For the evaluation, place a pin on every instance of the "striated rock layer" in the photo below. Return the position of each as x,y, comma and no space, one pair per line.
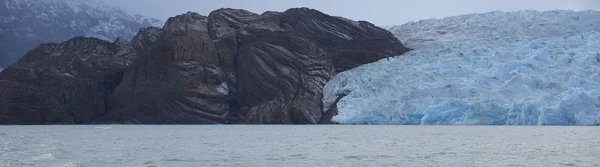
63,83
232,66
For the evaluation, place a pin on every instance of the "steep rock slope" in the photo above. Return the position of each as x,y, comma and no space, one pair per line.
235,66
25,24
64,83
232,66
515,68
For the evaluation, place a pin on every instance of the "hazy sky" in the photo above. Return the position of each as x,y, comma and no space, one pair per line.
379,12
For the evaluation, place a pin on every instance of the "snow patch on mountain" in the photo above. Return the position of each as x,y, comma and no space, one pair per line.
148,21
513,68
25,24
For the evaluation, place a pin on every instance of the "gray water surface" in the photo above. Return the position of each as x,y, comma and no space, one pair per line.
220,145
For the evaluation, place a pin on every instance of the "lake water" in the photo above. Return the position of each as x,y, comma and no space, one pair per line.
220,145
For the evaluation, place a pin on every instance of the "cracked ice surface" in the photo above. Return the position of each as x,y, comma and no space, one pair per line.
543,77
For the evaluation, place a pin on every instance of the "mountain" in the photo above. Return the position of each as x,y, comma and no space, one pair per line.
232,66
24,24
497,68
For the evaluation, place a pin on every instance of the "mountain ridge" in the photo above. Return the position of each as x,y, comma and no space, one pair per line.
26,23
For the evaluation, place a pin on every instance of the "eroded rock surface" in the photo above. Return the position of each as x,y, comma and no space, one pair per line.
64,83
235,66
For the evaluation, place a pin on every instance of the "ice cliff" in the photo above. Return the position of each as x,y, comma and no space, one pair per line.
498,68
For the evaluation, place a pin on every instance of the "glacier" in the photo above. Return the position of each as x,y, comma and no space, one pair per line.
497,68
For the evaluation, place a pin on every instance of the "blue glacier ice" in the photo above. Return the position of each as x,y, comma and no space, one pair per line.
498,68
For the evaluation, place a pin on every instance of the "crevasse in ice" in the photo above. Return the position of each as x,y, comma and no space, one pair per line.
515,68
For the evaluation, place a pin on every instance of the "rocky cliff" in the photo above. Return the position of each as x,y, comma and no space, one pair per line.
65,83
232,66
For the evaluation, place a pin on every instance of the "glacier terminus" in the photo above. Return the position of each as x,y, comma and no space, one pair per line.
497,68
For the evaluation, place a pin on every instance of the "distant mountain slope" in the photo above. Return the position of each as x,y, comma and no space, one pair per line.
498,68
25,24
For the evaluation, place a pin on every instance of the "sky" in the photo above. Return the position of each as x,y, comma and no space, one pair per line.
379,12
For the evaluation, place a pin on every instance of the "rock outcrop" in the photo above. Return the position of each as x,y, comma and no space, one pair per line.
66,83
235,66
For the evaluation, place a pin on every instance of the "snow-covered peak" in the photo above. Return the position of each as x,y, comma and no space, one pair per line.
74,5
95,17
498,26
148,21
25,24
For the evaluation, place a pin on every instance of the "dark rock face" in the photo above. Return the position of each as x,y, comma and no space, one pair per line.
63,83
235,66
280,79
